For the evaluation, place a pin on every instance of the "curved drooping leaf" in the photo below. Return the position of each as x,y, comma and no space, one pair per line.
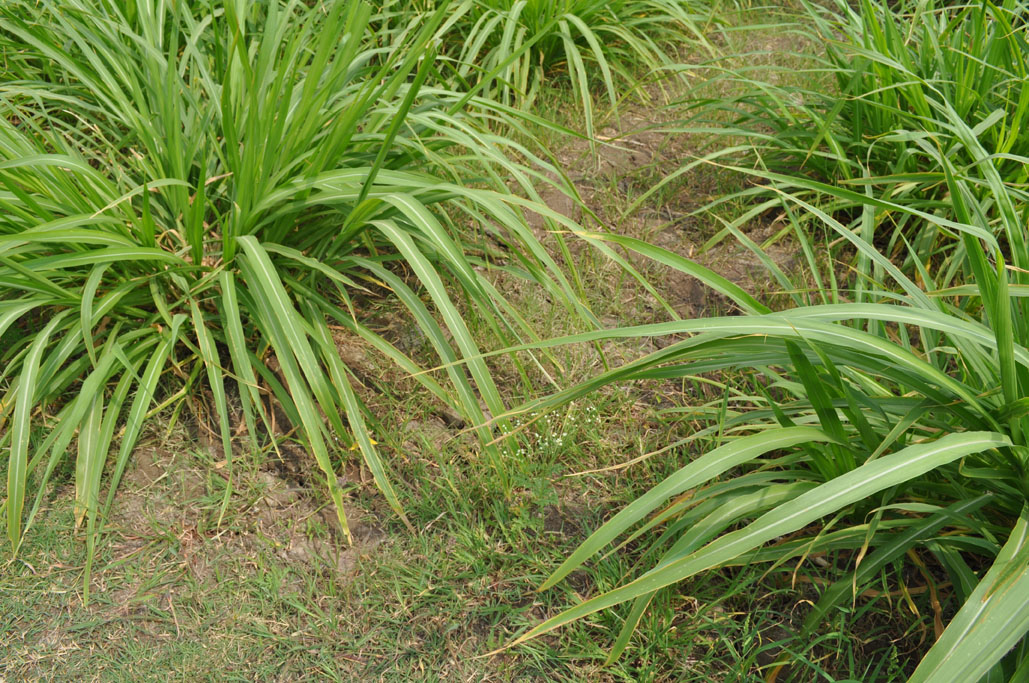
830,497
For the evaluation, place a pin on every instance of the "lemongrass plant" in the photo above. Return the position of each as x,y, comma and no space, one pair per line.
519,46
190,190
886,72
892,89
886,427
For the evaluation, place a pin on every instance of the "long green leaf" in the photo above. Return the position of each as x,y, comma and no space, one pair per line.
992,620
830,497
698,472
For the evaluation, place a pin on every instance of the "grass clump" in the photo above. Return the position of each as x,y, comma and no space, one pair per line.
873,434
890,79
901,95
516,48
193,197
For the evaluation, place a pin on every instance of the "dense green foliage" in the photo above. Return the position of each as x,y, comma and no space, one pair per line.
886,417
892,76
197,198
190,190
904,94
514,48
903,422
